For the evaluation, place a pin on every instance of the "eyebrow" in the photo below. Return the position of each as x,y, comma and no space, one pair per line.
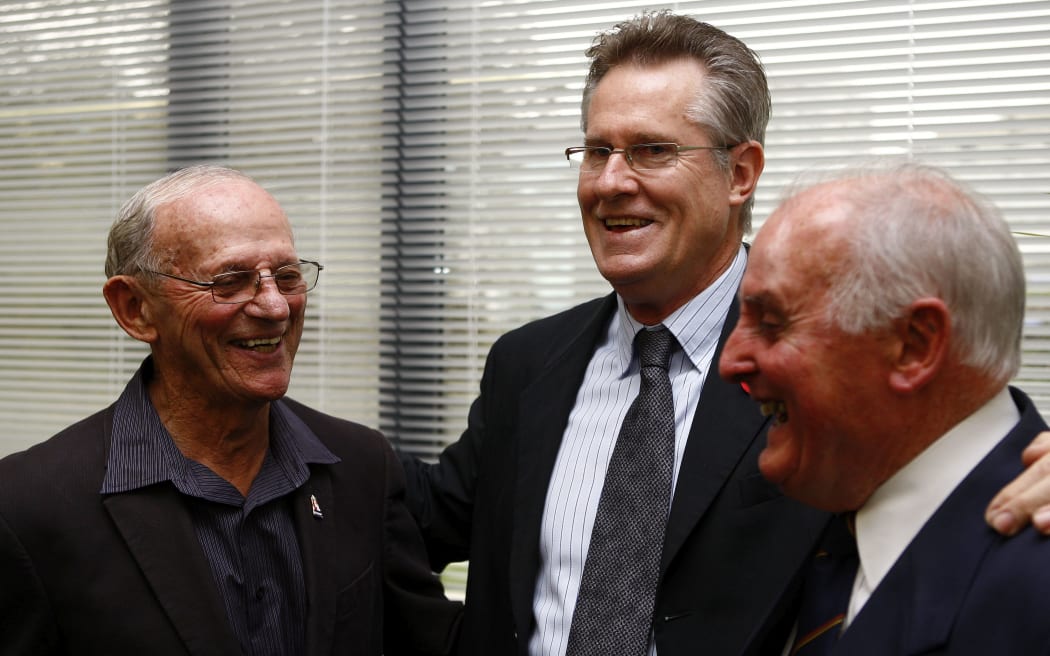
754,298
761,299
636,139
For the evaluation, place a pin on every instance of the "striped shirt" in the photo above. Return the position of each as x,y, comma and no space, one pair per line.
609,386
250,542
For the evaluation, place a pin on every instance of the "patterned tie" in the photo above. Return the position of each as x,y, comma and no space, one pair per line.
826,590
614,610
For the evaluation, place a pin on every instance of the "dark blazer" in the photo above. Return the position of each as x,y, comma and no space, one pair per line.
960,588
733,543
123,574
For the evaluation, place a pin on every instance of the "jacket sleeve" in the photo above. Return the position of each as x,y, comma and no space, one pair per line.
440,495
418,618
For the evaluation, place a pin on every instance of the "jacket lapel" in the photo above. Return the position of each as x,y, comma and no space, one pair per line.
160,535
544,412
725,424
915,607
317,547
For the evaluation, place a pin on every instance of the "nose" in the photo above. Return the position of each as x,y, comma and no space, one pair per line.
268,301
617,177
736,363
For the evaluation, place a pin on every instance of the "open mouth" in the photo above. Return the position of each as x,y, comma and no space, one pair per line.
622,223
268,345
775,409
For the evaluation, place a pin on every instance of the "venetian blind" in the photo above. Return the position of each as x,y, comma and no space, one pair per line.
417,149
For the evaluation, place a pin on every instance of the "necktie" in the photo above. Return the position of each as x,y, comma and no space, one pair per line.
826,590
614,609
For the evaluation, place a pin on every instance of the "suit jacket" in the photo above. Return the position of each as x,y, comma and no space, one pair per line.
733,543
123,574
960,588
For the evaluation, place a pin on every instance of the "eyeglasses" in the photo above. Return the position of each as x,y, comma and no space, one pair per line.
640,157
242,286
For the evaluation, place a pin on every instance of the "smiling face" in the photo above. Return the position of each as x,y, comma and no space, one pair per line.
821,385
217,353
660,236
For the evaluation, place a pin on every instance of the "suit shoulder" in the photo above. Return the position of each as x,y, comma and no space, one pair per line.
1005,604
74,448
339,435
59,477
559,327
1018,563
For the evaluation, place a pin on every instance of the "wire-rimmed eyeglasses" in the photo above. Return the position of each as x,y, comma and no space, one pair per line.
640,157
242,286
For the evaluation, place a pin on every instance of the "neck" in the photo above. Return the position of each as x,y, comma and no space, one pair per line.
651,303
232,442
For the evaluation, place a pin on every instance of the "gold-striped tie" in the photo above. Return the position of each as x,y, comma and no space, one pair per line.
826,590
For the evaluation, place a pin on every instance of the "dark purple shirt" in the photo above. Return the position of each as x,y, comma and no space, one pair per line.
250,541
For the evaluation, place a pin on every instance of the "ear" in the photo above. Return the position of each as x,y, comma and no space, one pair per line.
747,160
131,306
922,340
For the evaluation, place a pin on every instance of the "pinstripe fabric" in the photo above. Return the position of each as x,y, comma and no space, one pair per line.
610,384
250,542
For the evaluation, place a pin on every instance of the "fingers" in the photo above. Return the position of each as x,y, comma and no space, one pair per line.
1039,447
1027,498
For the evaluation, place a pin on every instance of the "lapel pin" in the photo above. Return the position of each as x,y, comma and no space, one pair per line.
315,507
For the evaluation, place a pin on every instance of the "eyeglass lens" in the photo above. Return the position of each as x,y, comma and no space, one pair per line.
639,156
240,286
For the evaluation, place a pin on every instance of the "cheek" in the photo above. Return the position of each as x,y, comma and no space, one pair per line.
585,195
189,318
297,319
211,319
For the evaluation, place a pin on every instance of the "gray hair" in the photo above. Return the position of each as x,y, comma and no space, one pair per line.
917,232
130,246
736,104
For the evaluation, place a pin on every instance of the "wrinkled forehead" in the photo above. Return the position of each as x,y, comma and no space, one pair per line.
229,215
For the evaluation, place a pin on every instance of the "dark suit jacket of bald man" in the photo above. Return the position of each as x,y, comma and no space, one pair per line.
960,588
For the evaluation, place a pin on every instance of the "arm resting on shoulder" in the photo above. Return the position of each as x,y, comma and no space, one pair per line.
440,495
418,618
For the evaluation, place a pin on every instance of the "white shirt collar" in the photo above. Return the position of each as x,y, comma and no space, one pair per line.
899,508
696,325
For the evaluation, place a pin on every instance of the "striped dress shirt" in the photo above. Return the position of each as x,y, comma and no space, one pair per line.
610,384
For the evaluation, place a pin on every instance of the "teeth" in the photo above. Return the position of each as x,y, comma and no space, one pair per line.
775,409
626,222
252,343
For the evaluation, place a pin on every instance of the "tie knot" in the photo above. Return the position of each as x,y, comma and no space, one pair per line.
840,540
654,347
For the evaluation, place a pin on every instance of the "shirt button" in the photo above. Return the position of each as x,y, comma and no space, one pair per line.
260,593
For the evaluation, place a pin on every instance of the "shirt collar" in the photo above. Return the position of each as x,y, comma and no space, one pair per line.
696,325
143,453
899,508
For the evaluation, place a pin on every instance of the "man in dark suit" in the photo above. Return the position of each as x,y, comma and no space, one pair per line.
203,513
674,116
881,320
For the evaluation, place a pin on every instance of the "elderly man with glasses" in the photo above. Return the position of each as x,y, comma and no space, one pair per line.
203,512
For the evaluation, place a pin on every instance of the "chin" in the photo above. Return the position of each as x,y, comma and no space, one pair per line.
775,467
820,495
266,393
